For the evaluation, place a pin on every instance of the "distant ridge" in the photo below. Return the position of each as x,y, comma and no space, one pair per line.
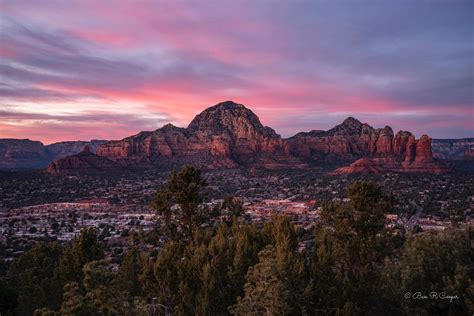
17,154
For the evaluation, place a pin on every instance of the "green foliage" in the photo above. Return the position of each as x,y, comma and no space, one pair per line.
75,304
265,290
32,278
438,263
133,266
350,249
84,249
184,188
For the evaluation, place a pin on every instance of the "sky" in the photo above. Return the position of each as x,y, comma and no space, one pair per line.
80,70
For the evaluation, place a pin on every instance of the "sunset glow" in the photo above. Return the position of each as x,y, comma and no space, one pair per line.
107,69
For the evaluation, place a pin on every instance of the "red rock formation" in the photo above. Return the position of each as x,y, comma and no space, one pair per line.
362,166
384,142
419,157
85,161
230,135
227,134
352,139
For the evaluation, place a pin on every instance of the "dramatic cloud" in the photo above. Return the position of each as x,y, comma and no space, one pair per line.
98,69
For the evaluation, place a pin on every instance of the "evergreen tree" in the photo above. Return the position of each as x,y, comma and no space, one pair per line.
132,267
84,249
101,288
31,277
185,189
75,304
438,264
265,290
351,245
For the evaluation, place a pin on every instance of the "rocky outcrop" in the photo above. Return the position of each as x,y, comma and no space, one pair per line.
27,154
353,140
452,149
361,166
225,135
83,162
230,135
418,158
348,141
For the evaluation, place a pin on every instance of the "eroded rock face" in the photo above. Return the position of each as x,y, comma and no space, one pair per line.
352,140
85,161
227,134
417,157
349,141
230,135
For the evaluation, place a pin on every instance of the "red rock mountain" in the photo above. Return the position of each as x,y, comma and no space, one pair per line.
224,135
85,161
352,140
229,135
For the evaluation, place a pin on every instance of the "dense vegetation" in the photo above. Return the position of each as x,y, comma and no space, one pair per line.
215,262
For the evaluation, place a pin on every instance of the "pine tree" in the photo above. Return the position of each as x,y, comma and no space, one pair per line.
75,304
31,277
265,291
351,245
185,189
84,249
132,266
438,262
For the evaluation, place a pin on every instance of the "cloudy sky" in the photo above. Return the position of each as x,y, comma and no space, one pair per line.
74,70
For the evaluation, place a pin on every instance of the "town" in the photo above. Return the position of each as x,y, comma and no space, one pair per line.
57,208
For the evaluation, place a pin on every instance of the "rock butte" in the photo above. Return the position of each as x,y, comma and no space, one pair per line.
229,135
83,162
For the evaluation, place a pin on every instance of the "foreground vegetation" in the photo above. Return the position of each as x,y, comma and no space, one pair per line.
215,262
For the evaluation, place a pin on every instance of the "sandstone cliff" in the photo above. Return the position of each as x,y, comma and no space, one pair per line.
224,135
416,156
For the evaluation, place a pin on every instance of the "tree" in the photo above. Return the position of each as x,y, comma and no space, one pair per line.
438,262
31,277
133,265
75,304
185,189
101,288
84,249
351,245
265,291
